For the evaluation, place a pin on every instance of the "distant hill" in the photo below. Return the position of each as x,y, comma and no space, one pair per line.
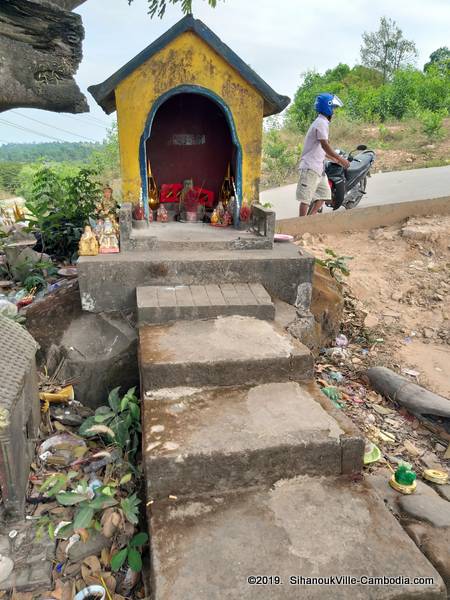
53,151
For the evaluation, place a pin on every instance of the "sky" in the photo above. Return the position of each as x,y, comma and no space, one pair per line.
280,39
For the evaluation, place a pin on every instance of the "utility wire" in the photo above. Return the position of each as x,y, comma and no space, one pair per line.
50,137
53,127
87,121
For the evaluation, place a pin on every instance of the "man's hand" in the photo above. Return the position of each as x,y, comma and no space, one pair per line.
334,155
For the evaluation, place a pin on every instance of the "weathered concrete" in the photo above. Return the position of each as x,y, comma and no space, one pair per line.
309,526
48,318
237,350
100,353
185,236
161,304
19,413
220,439
33,557
362,219
109,282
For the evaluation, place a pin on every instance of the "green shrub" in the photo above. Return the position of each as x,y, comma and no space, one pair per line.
432,123
59,205
279,160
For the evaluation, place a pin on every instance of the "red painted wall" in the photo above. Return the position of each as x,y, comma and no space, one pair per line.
190,139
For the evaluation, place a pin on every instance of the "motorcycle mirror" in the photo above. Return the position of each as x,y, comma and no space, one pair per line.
361,147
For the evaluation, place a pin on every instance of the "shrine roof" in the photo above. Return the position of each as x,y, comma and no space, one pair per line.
104,92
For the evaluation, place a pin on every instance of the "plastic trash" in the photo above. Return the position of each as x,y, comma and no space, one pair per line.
62,449
7,308
341,341
93,592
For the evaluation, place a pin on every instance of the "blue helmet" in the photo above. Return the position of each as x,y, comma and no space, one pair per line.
326,103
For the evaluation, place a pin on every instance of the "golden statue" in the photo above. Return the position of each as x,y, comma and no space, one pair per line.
88,245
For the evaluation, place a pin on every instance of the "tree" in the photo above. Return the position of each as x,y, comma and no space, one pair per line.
386,49
440,59
159,6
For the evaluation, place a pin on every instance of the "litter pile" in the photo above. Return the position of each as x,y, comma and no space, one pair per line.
84,494
394,434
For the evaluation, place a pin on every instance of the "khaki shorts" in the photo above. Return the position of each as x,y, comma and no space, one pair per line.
312,187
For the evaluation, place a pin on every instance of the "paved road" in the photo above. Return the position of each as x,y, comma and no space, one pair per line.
382,188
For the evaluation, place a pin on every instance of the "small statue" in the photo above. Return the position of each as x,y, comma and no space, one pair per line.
88,245
99,226
245,211
215,217
162,215
138,212
151,218
109,243
227,218
107,204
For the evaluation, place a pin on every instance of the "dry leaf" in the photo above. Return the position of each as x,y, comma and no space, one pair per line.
447,452
382,410
411,449
105,557
22,595
84,534
111,520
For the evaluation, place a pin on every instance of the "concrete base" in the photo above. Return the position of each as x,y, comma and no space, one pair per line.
185,236
162,304
308,527
224,351
100,353
221,439
109,282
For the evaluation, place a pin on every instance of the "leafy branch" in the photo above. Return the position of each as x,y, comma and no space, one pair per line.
158,7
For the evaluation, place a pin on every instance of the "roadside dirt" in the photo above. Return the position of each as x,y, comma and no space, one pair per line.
400,280
396,314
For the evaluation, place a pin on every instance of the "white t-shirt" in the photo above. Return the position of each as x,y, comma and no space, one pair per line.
313,155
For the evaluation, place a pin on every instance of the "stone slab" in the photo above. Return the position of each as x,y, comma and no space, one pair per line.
162,304
227,350
109,282
219,439
431,509
33,557
309,526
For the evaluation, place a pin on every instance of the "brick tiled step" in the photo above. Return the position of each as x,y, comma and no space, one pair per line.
161,304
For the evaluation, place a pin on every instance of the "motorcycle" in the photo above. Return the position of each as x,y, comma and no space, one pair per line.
348,186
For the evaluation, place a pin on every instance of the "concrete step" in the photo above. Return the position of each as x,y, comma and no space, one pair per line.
109,282
309,526
218,439
224,351
162,304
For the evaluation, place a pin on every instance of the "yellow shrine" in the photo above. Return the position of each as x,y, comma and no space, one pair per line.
189,107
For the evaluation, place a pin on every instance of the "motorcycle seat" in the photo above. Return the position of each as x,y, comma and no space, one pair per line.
357,167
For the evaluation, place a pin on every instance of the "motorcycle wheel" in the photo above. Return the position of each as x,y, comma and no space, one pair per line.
362,190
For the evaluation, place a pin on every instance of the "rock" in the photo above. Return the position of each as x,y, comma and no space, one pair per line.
425,507
397,296
430,460
435,545
49,317
6,567
95,544
100,353
327,304
427,333
371,321
443,491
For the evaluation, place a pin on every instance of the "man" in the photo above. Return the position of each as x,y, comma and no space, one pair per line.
313,183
